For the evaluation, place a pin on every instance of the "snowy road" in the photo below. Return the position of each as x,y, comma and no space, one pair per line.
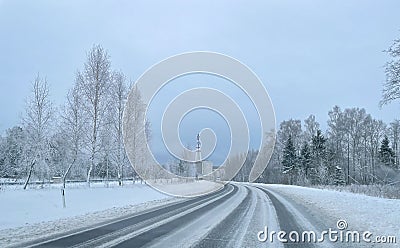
236,216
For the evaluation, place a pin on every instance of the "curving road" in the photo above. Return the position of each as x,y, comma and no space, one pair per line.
231,217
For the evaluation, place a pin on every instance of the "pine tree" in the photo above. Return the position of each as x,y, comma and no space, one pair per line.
12,153
305,158
318,148
181,168
386,153
339,176
289,159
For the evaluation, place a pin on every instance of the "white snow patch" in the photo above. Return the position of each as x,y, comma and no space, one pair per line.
34,213
362,213
21,207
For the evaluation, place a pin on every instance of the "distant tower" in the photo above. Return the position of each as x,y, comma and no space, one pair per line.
198,163
198,149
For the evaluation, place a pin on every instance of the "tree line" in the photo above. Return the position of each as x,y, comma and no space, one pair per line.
82,138
355,149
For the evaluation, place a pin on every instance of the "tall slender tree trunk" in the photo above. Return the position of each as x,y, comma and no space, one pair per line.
94,139
373,166
67,172
348,161
29,173
89,172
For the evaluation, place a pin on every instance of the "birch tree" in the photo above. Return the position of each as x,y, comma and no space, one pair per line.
311,127
37,122
394,134
72,126
391,87
136,146
337,135
290,128
376,132
94,84
119,99
11,152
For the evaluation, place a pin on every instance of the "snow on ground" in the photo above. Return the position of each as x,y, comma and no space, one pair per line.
362,213
20,207
377,190
33,213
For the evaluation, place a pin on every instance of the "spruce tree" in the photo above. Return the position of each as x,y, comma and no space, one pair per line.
181,167
339,177
386,153
305,158
289,159
318,148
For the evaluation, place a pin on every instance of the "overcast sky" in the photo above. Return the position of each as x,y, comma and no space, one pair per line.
310,55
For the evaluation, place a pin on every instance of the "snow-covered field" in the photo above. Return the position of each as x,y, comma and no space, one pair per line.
35,213
362,213
20,207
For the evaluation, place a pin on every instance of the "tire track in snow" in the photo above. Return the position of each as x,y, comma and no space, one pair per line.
225,232
291,219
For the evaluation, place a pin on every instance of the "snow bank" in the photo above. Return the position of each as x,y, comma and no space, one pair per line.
362,213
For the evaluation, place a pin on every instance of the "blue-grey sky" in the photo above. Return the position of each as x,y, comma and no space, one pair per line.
311,55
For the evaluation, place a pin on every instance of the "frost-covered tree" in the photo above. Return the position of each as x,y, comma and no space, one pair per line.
391,87
72,131
244,172
354,122
290,128
134,127
337,134
318,146
37,123
386,153
181,168
377,130
311,127
267,156
352,142
58,153
94,83
2,156
107,143
11,154
339,177
306,159
119,96
394,134
289,161
319,154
